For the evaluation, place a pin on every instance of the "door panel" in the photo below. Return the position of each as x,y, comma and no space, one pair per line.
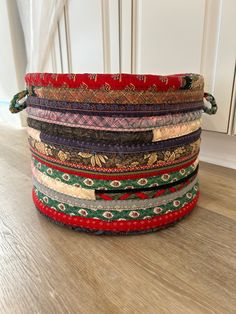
190,36
85,35
169,36
155,36
221,82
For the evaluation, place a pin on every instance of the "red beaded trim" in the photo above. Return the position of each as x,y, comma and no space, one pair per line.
107,81
115,226
117,176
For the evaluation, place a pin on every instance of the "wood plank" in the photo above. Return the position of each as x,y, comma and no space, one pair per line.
218,189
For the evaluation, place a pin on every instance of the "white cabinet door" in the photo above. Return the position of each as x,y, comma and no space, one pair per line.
93,36
86,35
189,36
220,76
159,37
12,53
169,36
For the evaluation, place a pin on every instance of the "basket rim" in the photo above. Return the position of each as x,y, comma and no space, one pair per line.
114,81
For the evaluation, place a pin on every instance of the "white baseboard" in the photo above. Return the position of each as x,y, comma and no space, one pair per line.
219,149
218,161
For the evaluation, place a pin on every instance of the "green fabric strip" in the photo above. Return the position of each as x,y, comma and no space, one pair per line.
150,193
113,184
110,215
114,204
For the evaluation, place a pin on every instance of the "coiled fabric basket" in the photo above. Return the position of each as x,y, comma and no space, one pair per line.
114,154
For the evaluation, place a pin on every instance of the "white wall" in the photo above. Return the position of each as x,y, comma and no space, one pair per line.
219,149
12,52
8,82
12,59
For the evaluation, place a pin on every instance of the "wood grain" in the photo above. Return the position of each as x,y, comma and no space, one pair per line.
44,268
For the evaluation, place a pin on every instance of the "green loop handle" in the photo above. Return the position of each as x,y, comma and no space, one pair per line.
15,106
211,100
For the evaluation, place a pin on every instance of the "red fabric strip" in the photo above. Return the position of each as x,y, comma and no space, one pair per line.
116,176
125,196
117,225
141,195
105,197
107,81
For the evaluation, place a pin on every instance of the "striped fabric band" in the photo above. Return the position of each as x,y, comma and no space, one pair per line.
113,174
112,162
118,148
118,81
118,226
118,110
157,134
110,123
65,175
120,194
111,215
111,205
118,96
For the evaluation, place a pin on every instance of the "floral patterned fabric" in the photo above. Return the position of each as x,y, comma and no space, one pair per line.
113,161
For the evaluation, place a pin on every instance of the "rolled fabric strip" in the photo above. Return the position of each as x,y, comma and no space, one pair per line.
84,134
115,153
119,81
119,148
119,226
112,162
108,183
122,124
113,204
111,110
130,192
118,97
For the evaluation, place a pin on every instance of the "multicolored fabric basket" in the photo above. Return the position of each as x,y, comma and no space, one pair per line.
114,154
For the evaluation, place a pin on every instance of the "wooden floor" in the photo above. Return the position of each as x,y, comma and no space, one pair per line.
44,268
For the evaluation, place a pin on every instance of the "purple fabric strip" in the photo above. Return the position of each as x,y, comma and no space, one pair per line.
113,109
131,148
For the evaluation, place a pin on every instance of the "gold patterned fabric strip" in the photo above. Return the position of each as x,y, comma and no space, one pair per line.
119,97
113,161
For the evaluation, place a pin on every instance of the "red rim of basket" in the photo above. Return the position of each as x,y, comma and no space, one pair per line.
113,81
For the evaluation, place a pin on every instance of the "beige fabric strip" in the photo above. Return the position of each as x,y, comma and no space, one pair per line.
61,187
35,134
164,133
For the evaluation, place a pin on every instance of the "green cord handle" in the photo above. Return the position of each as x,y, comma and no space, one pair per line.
15,106
213,108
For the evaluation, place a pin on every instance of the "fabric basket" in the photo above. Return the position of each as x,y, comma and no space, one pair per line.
114,154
